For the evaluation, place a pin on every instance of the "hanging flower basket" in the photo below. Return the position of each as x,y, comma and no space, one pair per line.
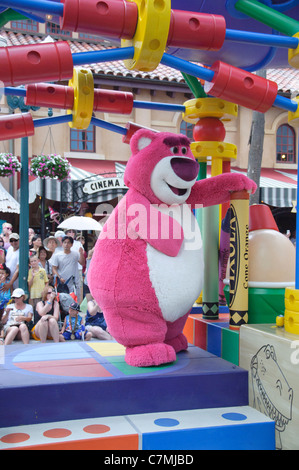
9,164
50,166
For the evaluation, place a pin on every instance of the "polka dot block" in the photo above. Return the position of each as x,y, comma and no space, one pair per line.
233,428
114,432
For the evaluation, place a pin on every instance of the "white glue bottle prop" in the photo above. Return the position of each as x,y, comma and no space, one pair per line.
271,254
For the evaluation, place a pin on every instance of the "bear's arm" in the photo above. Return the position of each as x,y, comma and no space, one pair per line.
145,221
217,189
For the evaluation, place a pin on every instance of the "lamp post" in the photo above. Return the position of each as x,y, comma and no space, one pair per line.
24,217
17,102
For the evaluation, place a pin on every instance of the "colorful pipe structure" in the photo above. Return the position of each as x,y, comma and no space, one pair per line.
54,62
184,32
209,134
146,29
62,97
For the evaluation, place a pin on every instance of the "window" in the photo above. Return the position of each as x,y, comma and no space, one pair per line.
285,144
187,129
89,36
25,25
52,28
83,140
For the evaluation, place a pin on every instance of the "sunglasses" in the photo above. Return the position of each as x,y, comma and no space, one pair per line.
13,241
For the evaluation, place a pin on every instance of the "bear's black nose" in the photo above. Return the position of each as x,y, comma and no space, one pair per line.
185,168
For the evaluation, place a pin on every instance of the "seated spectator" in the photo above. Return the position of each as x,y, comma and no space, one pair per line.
95,322
16,318
37,281
4,294
73,326
46,317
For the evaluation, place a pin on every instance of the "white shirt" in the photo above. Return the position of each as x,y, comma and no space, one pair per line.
14,313
12,261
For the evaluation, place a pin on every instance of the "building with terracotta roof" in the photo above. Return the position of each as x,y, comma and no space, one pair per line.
98,151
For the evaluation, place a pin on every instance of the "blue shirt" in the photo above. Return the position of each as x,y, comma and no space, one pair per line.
96,320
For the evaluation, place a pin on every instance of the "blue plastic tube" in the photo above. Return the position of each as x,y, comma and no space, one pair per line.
81,58
261,38
50,121
40,6
159,106
187,67
108,126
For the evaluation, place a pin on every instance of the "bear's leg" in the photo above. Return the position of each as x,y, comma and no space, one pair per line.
153,354
143,334
174,336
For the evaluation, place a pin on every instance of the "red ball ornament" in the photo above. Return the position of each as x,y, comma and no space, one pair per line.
209,129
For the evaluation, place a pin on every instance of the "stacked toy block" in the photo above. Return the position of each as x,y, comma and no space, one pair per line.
83,395
232,428
213,335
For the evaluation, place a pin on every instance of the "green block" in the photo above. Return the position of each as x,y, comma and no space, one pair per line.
264,305
230,345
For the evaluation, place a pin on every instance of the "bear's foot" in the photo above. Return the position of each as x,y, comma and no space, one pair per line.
179,343
150,355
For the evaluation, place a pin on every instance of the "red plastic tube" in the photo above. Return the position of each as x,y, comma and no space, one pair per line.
49,96
62,97
112,101
113,18
35,63
14,126
241,87
131,129
196,30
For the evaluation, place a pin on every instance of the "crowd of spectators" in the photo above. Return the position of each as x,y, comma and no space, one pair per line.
57,268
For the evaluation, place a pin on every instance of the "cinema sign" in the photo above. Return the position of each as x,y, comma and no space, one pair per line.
102,184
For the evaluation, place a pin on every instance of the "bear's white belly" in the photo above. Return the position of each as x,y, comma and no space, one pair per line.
178,280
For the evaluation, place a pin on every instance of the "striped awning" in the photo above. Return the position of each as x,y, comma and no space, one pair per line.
97,187
7,203
73,189
277,187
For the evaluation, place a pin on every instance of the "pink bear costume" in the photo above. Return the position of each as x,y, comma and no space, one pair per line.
147,268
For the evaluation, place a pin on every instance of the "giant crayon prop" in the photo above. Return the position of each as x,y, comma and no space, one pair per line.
238,261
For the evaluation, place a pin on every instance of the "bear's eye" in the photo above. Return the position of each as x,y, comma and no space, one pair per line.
174,150
184,150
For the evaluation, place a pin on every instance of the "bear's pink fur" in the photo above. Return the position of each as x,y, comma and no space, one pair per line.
119,276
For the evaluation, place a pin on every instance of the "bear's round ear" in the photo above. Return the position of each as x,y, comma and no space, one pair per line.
141,139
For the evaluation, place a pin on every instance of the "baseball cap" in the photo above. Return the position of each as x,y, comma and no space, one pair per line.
18,293
75,306
14,236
